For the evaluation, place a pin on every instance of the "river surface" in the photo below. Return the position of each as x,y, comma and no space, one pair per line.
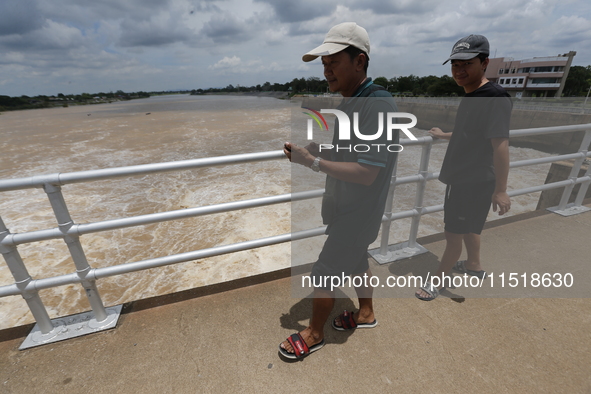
164,129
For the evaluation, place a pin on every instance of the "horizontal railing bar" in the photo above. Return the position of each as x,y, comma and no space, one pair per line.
421,141
89,228
106,173
98,273
415,178
93,175
107,225
180,214
549,130
550,159
548,186
306,195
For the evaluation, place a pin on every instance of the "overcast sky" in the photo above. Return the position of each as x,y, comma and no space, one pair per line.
75,46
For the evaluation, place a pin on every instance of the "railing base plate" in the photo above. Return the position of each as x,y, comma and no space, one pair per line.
71,327
570,210
397,252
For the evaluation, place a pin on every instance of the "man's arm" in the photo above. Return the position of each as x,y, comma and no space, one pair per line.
500,197
363,174
436,132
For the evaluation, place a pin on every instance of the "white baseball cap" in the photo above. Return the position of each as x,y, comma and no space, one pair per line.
338,38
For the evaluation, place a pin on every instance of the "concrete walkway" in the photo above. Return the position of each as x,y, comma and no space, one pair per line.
226,342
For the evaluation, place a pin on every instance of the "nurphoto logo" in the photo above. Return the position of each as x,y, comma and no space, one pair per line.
345,129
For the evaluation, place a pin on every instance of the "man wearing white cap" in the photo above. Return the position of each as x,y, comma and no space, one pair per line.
357,184
476,163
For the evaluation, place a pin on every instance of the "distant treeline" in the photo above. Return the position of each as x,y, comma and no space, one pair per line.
577,84
409,86
8,103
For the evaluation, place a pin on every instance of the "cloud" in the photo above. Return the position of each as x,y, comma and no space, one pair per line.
51,36
226,28
381,7
225,63
85,12
113,44
566,32
297,11
160,30
206,6
19,17
235,65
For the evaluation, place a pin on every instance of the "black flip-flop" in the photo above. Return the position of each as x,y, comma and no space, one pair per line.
348,323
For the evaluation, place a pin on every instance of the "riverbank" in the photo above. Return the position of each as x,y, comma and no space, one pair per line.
278,95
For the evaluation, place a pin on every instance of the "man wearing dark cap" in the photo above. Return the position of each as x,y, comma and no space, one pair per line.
357,184
476,163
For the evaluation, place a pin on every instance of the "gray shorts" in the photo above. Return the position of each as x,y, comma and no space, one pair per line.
339,258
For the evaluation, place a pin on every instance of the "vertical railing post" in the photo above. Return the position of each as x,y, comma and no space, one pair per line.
388,253
420,193
584,188
22,278
574,173
64,222
388,213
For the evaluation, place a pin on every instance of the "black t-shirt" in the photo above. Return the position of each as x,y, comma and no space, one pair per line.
482,115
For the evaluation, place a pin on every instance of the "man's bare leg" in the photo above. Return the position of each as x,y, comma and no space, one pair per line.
365,313
322,305
453,251
472,242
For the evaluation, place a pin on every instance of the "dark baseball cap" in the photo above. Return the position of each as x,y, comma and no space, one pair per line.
469,47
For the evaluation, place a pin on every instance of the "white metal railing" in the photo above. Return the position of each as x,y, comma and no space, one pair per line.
546,104
87,276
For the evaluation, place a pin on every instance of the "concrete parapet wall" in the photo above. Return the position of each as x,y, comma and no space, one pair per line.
560,171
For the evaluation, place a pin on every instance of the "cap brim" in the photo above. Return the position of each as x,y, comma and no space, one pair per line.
326,49
462,56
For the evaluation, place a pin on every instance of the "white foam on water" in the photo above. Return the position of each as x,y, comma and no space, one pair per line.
113,136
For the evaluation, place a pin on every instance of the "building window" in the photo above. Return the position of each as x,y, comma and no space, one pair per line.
502,81
544,80
524,70
545,69
520,81
501,71
514,81
512,71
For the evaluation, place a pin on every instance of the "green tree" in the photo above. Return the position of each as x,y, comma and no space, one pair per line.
445,86
577,82
426,82
382,81
407,84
